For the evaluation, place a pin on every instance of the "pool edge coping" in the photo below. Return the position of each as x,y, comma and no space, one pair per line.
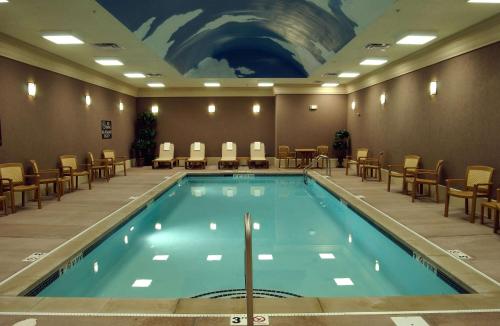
488,293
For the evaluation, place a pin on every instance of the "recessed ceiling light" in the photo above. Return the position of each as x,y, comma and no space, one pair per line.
329,84
109,62
256,226
373,62
265,84
349,74
142,283
134,75
62,38
265,257
343,281
156,85
212,84
327,256
214,257
416,39
4,1
484,1
160,257
213,226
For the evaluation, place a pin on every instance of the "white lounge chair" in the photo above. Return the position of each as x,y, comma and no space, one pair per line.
196,156
165,155
258,155
228,156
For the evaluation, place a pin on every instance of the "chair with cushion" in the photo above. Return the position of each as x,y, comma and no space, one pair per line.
114,161
285,154
427,177
70,167
321,150
370,168
50,177
405,170
98,167
258,155
165,155
196,156
361,154
14,180
492,206
477,184
228,157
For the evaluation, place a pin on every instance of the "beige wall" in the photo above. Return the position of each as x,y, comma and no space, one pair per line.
186,120
460,124
57,121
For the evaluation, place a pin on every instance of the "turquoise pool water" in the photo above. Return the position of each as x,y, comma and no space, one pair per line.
190,243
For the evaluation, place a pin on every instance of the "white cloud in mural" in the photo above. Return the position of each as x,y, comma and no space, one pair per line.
225,19
300,54
144,29
325,53
210,67
160,39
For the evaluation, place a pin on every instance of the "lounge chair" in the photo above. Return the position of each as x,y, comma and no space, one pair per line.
98,167
14,180
258,155
370,168
285,154
410,164
165,155
492,206
477,183
51,177
69,167
115,161
196,156
229,151
361,154
426,177
321,150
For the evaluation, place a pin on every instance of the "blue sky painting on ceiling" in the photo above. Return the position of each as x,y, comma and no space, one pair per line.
246,38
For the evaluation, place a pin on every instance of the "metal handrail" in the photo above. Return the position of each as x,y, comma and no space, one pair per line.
317,158
248,268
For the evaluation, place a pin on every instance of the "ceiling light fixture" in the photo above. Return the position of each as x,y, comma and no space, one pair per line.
484,1
134,75
156,85
265,84
329,84
4,1
108,62
63,39
212,84
416,39
373,62
349,74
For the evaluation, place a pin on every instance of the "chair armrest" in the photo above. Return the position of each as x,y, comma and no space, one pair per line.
477,185
10,181
67,167
348,157
449,182
33,176
430,172
498,194
394,165
49,172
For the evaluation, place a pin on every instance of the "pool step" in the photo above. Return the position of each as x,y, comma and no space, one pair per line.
241,293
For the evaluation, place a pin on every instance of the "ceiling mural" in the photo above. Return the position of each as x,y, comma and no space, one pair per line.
246,38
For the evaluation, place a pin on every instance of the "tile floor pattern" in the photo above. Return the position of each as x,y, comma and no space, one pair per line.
31,230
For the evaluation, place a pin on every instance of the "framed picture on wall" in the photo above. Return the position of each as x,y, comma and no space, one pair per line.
106,129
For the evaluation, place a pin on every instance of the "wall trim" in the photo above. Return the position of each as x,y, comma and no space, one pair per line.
206,92
297,90
23,52
477,36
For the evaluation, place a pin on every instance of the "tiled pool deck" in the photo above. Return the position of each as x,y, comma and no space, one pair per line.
31,230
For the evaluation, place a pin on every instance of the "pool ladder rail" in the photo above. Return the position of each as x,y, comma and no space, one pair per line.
248,268
323,158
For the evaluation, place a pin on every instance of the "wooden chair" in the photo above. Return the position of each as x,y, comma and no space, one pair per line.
50,177
373,166
285,154
14,180
477,183
361,154
410,164
98,167
114,161
432,179
69,167
165,155
321,150
492,206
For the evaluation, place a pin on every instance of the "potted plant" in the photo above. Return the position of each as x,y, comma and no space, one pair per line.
341,145
144,145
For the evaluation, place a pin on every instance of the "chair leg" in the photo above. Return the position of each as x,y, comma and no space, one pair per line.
347,168
497,217
23,199
437,193
473,210
125,169
446,203
12,202
389,182
46,189
482,214
413,191
467,206
59,185
76,182
89,181
37,194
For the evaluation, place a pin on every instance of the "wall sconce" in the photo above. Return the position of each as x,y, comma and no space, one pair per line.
88,100
383,98
353,105
313,107
211,108
121,106
256,108
433,87
31,89
154,109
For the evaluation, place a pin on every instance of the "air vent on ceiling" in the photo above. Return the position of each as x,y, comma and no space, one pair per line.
329,74
377,46
107,46
151,74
